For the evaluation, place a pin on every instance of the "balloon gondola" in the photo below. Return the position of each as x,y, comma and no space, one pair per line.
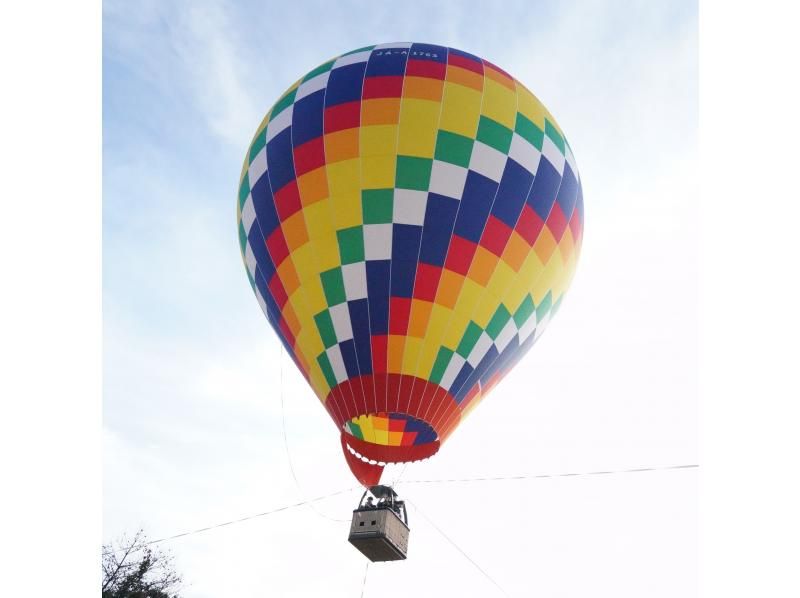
380,525
410,217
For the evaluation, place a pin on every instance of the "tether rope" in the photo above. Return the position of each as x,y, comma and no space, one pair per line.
264,514
552,475
364,583
288,452
442,481
457,547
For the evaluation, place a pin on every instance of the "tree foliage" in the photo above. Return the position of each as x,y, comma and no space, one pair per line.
134,569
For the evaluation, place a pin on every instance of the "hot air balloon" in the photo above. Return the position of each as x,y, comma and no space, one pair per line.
410,217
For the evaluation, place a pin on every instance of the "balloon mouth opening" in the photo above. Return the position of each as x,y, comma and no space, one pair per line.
393,428
373,440
390,418
389,437
433,448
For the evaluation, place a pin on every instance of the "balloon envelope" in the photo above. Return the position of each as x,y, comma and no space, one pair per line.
410,216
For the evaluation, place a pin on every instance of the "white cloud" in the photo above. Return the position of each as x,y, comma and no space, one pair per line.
191,52
206,44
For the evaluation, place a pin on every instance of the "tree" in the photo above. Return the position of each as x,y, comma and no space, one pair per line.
134,569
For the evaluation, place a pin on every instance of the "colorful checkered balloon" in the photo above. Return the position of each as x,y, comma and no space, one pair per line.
410,217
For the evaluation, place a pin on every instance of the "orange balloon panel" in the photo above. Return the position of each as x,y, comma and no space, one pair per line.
410,217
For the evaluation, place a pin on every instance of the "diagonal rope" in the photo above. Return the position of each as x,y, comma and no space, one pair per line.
247,518
364,584
456,546
484,479
552,475
397,478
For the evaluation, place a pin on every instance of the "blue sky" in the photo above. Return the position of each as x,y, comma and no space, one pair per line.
192,373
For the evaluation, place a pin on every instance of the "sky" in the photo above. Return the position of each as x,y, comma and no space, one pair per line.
196,391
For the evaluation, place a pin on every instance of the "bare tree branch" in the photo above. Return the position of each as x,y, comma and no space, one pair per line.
140,572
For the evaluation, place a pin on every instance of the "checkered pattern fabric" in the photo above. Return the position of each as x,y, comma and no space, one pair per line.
410,217
390,429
